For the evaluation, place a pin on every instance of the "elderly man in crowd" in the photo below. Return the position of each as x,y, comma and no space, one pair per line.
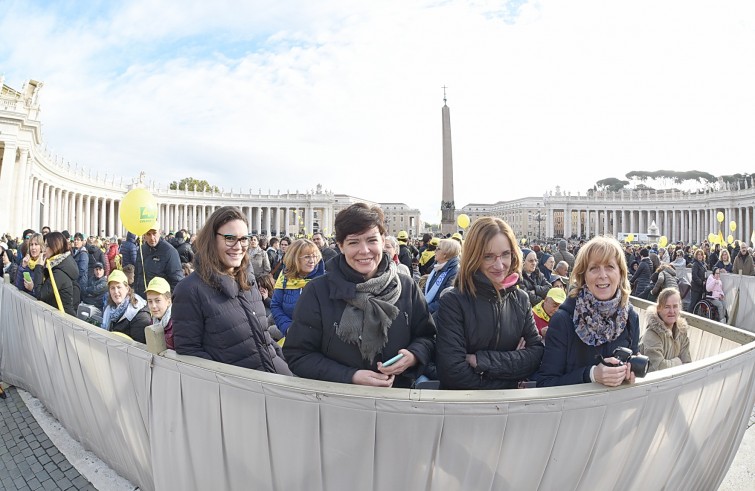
743,263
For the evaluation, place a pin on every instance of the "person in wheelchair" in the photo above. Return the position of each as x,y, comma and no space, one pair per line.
715,295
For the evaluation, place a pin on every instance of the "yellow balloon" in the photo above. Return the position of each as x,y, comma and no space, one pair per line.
524,241
720,216
463,220
730,239
138,211
721,238
630,238
663,241
733,226
711,238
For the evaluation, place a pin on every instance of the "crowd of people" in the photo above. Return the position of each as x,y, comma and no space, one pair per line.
473,311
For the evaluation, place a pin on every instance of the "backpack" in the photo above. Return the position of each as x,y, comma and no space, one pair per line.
684,287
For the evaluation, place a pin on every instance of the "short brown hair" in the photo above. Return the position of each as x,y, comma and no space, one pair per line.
209,266
358,218
56,242
480,234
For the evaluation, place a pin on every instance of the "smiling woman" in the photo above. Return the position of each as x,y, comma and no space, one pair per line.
594,321
218,312
361,313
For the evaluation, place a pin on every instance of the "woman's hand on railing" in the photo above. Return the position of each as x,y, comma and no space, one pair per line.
612,376
374,379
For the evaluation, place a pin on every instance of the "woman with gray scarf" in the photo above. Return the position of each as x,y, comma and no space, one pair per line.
359,315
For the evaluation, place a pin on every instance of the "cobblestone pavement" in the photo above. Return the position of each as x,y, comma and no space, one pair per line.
28,459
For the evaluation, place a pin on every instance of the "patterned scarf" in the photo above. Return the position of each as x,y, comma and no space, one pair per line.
598,322
368,316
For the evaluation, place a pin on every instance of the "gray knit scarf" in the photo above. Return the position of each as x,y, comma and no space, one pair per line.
369,315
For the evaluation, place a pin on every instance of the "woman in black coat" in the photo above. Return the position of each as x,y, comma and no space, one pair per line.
698,279
487,337
217,311
65,272
362,313
532,281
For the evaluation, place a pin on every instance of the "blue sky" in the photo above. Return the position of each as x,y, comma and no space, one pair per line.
288,95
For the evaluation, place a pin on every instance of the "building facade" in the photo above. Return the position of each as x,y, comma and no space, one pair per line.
39,189
685,216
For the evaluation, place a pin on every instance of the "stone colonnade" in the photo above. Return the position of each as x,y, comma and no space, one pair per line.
693,224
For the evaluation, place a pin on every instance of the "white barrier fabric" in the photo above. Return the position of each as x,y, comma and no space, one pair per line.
96,385
740,291
171,422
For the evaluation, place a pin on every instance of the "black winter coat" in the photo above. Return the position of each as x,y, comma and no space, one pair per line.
641,278
134,328
698,276
314,350
185,254
161,260
567,359
535,285
66,274
223,323
489,326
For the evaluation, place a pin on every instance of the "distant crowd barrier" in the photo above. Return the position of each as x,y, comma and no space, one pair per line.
170,422
740,298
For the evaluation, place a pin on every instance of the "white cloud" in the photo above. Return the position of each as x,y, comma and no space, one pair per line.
275,96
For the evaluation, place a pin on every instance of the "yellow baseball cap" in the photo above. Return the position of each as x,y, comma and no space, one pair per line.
117,276
557,294
402,235
158,285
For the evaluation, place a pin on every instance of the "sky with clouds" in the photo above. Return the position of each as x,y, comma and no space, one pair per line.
285,95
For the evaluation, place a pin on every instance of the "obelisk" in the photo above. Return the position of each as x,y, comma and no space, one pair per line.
447,207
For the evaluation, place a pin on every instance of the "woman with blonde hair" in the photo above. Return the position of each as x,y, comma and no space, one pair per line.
30,272
487,338
444,272
593,322
302,263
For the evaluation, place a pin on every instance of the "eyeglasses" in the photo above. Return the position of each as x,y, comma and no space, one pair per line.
490,259
231,240
310,259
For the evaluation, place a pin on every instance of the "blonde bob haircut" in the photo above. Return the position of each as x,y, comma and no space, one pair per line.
476,246
299,247
450,247
600,249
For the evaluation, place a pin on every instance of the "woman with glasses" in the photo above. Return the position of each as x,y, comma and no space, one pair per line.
218,312
301,264
593,322
30,271
349,322
487,337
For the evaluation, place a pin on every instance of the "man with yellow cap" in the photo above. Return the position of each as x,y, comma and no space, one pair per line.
404,254
546,308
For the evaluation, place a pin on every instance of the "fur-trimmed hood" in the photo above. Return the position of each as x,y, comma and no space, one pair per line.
655,323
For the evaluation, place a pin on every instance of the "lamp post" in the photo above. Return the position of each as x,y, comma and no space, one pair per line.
539,219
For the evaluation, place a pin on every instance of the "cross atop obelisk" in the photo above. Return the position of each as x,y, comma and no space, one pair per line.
447,207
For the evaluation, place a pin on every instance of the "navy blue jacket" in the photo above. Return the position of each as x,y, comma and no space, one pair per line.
567,360
128,250
161,260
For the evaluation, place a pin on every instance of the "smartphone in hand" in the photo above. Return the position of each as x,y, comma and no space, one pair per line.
27,276
393,360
